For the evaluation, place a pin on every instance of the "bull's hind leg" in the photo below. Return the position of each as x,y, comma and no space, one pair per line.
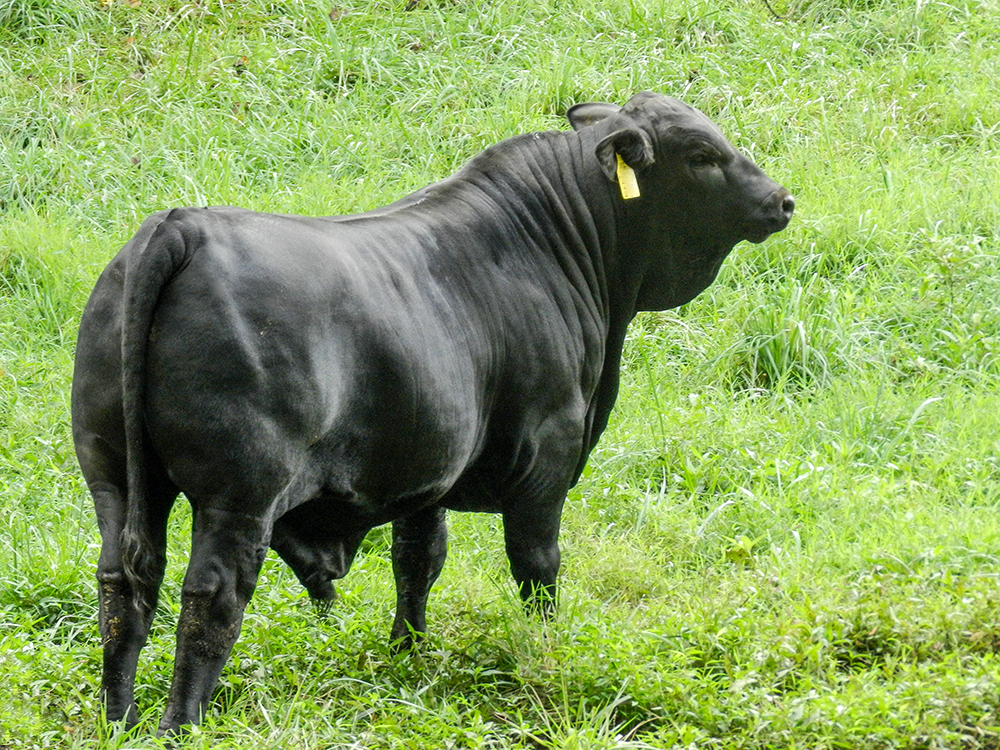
419,547
125,615
227,551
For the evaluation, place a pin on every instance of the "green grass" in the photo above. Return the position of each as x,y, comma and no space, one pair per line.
789,535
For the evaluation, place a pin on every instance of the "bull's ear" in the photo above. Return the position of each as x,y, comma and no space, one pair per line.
588,113
632,144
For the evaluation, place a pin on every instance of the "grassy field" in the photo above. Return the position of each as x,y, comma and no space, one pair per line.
789,535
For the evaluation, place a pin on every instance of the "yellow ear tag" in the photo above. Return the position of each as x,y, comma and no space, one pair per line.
626,179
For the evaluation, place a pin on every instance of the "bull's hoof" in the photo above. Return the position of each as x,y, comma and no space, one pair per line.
127,717
126,714
540,602
405,645
405,641
122,726
172,734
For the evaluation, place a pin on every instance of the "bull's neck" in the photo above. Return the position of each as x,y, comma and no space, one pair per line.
548,191
552,186
560,187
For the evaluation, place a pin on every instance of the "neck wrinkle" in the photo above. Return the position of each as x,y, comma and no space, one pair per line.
567,206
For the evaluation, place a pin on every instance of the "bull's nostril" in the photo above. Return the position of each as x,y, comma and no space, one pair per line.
788,205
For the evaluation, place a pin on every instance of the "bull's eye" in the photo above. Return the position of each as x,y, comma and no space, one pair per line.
704,159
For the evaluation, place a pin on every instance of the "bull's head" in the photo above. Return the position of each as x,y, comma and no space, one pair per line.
698,196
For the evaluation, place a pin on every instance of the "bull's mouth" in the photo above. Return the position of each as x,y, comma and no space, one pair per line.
757,233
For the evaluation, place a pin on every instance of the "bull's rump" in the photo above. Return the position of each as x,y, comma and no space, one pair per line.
285,348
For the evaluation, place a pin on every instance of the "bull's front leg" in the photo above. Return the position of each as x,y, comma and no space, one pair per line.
419,548
226,555
532,508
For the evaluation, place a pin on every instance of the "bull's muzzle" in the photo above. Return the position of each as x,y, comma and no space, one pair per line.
775,213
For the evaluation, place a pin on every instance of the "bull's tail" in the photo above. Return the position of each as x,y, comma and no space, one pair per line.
156,254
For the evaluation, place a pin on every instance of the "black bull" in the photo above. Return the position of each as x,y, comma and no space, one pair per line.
302,380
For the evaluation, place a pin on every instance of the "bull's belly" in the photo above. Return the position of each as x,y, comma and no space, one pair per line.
395,474
472,503
242,452
477,490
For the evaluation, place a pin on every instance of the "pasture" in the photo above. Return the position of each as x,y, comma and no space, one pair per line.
789,535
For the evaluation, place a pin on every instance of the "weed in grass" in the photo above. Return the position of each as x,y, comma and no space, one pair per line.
30,20
786,343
